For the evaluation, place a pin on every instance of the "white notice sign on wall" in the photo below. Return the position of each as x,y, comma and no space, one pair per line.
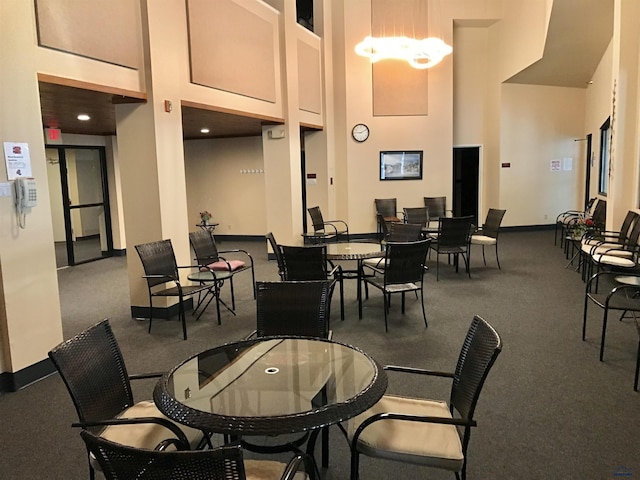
18,160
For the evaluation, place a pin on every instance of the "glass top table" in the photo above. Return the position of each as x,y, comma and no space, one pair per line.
271,386
355,251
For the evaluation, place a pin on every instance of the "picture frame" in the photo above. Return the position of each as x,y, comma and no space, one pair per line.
401,165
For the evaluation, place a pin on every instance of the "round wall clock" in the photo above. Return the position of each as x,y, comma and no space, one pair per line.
360,132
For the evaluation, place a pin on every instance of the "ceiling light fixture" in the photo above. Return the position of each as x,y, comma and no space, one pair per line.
204,130
419,54
400,30
84,117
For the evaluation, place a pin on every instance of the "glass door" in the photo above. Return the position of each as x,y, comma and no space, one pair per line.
82,205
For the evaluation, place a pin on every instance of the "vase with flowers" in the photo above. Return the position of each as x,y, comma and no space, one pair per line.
582,226
205,216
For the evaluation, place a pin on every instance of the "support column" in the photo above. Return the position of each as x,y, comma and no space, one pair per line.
151,150
283,187
30,319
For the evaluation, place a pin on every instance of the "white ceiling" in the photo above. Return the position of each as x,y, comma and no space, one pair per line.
579,33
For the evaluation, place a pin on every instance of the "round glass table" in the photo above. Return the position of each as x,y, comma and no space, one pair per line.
271,386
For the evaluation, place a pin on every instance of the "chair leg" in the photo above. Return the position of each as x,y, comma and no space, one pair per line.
403,303
216,290
182,317
150,312
584,318
386,309
341,299
484,259
233,296
498,259
424,313
604,332
355,463
635,382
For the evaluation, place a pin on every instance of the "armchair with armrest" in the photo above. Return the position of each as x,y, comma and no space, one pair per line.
160,268
208,255
427,432
122,462
93,370
326,229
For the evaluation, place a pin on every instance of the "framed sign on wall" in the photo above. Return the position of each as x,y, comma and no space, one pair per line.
401,165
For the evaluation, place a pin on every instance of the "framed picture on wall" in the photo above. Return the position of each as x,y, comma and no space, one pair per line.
401,165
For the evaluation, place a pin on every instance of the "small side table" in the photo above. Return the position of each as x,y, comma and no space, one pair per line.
209,227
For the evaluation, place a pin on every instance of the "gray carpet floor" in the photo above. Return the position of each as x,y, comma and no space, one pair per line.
549,408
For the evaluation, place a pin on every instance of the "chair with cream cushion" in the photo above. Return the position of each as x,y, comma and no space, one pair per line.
488,234
93,370
594,242
429,432
123,462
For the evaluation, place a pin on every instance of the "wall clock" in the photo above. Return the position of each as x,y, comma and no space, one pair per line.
360,132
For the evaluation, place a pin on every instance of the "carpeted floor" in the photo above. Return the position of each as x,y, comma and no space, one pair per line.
549,408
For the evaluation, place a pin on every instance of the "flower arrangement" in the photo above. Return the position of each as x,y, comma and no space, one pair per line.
582,226
205,216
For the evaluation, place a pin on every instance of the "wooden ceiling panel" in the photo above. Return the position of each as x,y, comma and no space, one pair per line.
61,105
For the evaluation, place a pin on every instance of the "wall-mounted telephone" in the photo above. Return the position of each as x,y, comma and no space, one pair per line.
26,198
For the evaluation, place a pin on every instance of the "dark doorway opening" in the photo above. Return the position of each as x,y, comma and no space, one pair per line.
587,180
466,180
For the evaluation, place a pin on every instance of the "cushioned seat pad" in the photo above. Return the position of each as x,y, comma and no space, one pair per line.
421,443
231,265
145,435
483,240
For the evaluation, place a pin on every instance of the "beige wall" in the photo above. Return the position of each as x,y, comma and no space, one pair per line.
539,124
226,177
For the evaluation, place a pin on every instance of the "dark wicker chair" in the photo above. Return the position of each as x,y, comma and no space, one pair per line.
453,239
310,263
294,308
160,268
398,232
436,434
488,234
403,272
387,208
417,215
208,255
277,251
327,229
93,370
437,208
121,462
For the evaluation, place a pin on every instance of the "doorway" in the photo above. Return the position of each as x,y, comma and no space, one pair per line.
466,181
79,200
587,180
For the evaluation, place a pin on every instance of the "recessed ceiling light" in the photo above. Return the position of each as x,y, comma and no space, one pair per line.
204,130
84,117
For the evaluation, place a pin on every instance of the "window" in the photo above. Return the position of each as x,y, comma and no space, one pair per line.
605,142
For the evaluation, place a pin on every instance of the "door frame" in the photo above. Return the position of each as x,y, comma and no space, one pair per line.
66,208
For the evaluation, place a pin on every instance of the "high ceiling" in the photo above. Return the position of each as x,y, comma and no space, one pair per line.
579,33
